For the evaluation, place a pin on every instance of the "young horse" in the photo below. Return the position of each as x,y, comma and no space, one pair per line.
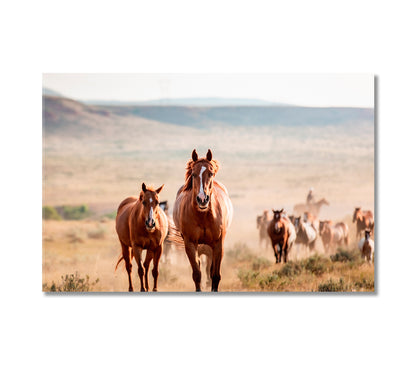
262,224
142,224
306,233
203,213
366,246
333,235
365,220
282,235
313,208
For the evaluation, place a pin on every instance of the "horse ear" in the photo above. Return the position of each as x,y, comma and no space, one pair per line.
209,155
194,155
144,188
160,189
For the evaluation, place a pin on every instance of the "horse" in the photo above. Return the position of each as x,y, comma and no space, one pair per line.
366,246
313,208
333,235
262,224
142,224
306,233
203,213
365,220
310,218
282,235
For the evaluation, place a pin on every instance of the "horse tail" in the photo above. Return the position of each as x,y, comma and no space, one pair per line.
174,235
118,262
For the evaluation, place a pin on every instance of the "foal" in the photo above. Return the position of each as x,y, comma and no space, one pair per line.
141,224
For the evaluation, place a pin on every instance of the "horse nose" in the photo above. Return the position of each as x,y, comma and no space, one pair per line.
207,199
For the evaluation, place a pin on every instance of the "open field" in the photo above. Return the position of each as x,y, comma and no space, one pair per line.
263,167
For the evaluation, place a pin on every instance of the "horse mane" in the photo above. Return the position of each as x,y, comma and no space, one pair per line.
190,165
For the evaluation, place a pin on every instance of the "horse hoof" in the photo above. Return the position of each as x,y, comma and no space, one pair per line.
143,290
198,290
154,289
130,289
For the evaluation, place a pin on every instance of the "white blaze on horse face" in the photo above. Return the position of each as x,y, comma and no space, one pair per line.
150,199
201,189
151,214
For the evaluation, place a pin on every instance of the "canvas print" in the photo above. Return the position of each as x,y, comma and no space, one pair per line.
208,183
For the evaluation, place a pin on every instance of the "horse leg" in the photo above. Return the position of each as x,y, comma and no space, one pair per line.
276,252
127,260
137,252
155,270
217,254
147,260
190,249
284,251
208,270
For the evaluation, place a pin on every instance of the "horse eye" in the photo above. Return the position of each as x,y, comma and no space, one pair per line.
144,203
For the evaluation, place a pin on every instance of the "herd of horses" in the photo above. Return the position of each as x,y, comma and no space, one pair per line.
284,231
202,215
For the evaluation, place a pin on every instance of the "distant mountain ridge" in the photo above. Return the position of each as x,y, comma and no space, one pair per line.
62,116
192,101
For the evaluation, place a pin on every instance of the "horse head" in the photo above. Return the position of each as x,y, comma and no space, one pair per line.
149,199
200,178
277,215
356,214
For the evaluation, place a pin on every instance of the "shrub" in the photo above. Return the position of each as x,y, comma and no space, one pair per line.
71,283
260,263
333,286
240,253
49,212
343,255
111,215
74,212
290,269
248,278
316,265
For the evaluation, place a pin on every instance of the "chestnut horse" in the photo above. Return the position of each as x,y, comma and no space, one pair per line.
203,213
282,235
262,224
365,220
142,224
333,235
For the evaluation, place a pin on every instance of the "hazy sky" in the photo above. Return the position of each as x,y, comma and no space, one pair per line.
300,89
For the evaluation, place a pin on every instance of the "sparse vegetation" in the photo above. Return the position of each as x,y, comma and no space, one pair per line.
343,255
71,283
315,273
98,233
75,212
240,253
49,212
316,264
334,286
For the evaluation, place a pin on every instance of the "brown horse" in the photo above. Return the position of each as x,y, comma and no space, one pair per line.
142,224
333,235
313,208
262,224
203,213
365,220
282,235
366,246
